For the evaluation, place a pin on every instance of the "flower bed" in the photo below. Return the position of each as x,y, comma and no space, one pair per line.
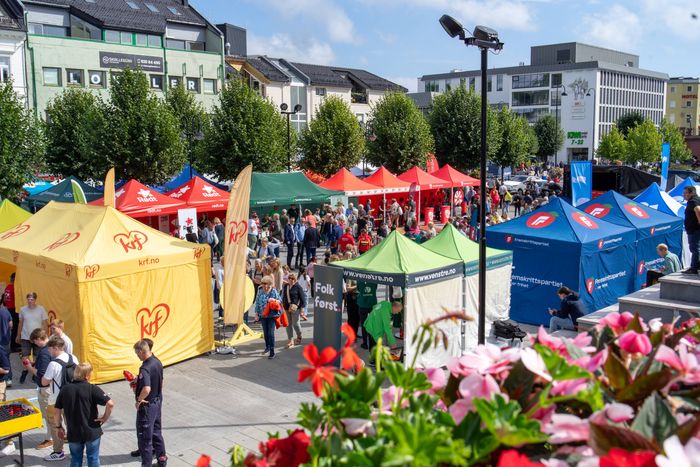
624,394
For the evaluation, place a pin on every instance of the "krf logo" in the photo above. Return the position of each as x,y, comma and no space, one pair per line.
134,240
237,230
67,238
151,321
91,271
541,220
19,230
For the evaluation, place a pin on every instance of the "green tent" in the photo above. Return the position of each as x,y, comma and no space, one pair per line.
451,243
401,262
70,190
287,188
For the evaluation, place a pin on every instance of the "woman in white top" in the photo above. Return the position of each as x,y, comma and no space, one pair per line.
305,282
31,317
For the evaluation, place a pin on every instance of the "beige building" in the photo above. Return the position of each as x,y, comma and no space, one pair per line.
682,104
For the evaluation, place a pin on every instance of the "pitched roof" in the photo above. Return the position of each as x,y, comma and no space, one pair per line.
322,75
268,70
13,17
119,15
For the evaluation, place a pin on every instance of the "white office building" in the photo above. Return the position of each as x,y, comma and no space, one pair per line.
12,36
588,88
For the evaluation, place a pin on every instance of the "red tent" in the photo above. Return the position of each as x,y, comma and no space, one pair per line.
455,177
423,179
388,181
198,193
137,200
345,181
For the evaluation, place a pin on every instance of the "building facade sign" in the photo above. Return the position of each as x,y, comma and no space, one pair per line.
121,61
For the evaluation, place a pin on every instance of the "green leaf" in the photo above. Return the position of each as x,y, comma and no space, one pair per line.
616,371
558,367
605,437
635,325
643,386
689,429
519,383
504,420
655,419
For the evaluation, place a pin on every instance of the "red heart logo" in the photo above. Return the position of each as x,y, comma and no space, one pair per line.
134,240
198,252
67,238
91,271
237,230
18,230
151,321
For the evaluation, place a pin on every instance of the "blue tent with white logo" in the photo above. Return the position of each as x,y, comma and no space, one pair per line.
677,191
655,198
559,245
652,227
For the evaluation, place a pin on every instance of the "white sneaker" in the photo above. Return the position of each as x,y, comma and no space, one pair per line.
8,449
55,456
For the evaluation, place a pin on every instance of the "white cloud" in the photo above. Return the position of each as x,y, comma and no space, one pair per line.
326,13
673,17
283,46
409,83
617,28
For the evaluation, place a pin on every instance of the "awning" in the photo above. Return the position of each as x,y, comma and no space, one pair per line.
455,177
345,181
137,200
388,181
423,180
197,193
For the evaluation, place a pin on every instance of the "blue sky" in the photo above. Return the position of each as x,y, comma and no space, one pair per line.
402,39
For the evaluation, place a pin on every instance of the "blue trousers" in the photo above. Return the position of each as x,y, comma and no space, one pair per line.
148,432
92,449
556,323
268,325
310,253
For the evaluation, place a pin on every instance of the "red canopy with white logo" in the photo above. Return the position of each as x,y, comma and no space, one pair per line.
455,177
137,200
198,193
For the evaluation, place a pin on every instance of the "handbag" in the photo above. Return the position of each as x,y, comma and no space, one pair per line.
292,306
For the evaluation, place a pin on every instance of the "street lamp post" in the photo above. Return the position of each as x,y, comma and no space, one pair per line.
289,113
191,132
486,39
557,104
588,94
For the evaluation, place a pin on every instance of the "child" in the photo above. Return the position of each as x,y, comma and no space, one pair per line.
305,282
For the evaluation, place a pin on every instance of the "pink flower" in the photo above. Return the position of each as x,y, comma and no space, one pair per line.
685,363
544,415
533,362
436,377
592,363
616,321
486,359
569,387
476,385
459,409
678,455
358,427
633,342
616,413
566,429
554,343
391,396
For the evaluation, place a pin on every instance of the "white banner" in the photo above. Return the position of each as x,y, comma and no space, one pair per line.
187,217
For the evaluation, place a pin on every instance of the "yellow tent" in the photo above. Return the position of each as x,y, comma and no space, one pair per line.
114,280
10,216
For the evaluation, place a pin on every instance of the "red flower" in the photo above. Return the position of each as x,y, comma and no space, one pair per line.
618,457
204,461
513,458
349,333
349,359
285,452
320,370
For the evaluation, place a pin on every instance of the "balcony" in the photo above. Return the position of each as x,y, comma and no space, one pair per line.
358,96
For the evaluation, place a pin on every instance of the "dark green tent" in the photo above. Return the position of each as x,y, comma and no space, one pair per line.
287,188
70,190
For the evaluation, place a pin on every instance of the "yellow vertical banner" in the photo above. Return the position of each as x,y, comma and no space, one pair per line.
236,247
109,188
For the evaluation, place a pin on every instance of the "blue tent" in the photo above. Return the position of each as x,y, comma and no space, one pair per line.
557,245
652,227
37,186
677,191
185,177
655,198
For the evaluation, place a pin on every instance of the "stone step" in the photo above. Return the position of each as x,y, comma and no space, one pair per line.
679,286
649,304
588,322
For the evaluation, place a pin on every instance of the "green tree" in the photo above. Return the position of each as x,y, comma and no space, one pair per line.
670,133
628,121
516,139
76,129
643,144
244,128
190,115
401,136
613,146
21,143
550,136
455,121
332,140
143,135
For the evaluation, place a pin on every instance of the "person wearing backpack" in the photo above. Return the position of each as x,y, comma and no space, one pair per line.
60,372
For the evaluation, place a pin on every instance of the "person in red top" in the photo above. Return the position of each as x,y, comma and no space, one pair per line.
364,242
495,197
8,299
346,240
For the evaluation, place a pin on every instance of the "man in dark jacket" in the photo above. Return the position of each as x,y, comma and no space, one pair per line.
311,241
571,309
692,228
289,241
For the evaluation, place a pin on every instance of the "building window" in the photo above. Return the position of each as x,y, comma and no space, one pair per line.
564,56
298,96
151,7
175,44
132,5
193,85
499,82
47,30
673,89
52,76
74,77
157,82
174,81
448,86
462,82
174,11
528,98
687,119
320,91
126,38
688,104
154,41
4,69
112,36
196,46
141,40
556,79
97,79
209,86
84,30
535,80
690,89
489,83
472,83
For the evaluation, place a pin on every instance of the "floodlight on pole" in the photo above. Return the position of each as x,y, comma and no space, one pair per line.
284,111
486,39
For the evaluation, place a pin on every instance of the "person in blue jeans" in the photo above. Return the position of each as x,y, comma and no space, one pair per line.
78,403
265,293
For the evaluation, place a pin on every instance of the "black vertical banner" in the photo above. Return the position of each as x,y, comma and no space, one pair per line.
328,306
